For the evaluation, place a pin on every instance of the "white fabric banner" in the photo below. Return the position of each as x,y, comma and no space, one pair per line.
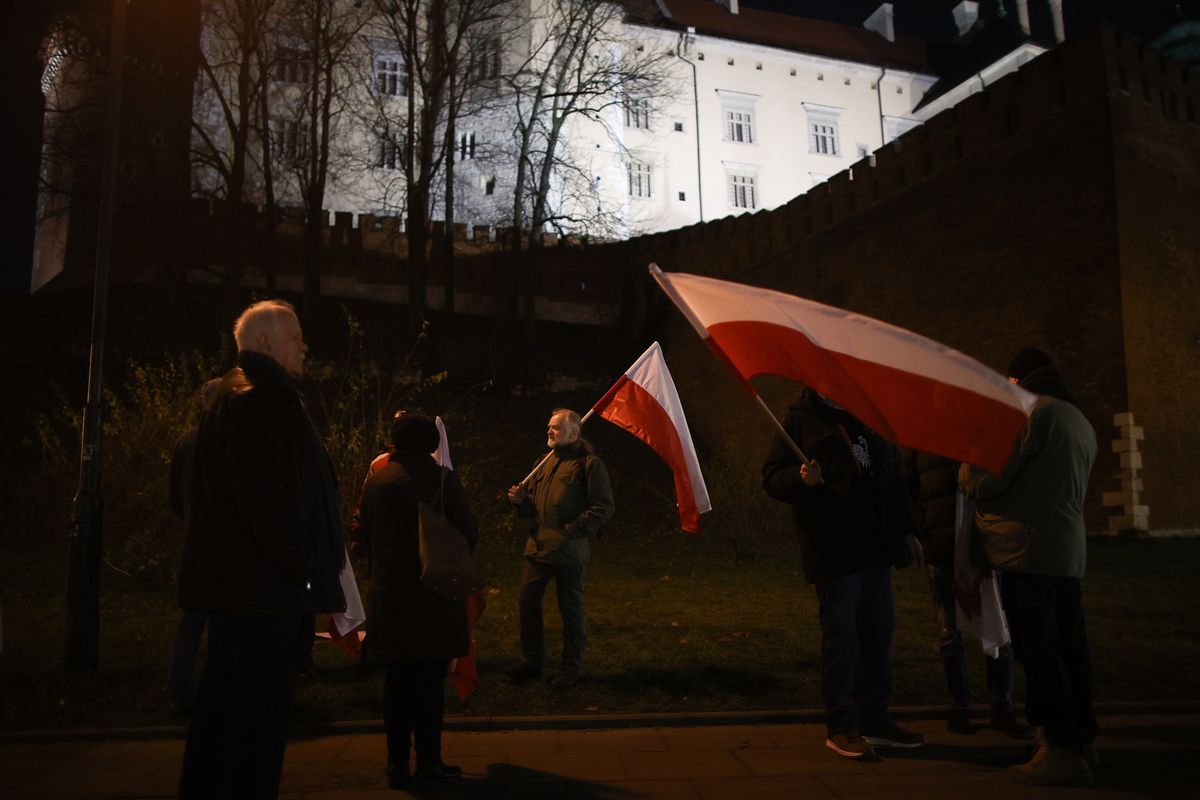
976,593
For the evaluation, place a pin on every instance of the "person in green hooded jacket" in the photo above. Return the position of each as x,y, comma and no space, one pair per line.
567,500
1029,525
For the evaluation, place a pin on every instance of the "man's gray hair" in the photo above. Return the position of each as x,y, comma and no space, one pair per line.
572,418
263,317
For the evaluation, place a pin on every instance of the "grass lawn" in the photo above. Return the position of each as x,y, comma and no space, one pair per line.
676,623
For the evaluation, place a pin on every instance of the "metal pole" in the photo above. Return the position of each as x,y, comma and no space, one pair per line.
83,584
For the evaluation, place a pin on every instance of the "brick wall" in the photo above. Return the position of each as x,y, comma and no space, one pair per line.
1157,170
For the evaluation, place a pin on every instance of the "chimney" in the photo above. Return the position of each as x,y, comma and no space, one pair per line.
1056,14
1023,15
729,5
882,22
966,14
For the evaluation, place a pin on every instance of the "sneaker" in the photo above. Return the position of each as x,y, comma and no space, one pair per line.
1053,766
892,735
564,680
850,745
1009,725
959,721
526,670
437,773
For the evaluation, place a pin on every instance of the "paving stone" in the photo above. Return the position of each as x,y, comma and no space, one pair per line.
324,749
365,747
641,790
503,743
320,776
796,761
632,740
85,784
569,766
682,764
717,737
775,787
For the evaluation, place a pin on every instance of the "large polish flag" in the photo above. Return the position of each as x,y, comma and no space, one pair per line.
644,402
912,390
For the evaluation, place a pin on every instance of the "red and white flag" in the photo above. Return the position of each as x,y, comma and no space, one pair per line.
645,403
912,390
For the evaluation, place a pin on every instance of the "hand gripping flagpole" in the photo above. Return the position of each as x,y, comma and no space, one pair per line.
702,331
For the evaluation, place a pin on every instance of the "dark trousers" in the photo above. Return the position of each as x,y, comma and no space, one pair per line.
413,707
239,725
568,582
1045,618
949,646
181,688
305,639
857,622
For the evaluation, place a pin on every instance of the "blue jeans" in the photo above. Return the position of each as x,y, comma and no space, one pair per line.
950,647
857,622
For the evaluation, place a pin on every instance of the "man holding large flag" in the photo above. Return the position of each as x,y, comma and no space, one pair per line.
854,520
568,498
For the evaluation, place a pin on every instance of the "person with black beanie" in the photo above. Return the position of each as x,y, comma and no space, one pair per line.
412,632
1029,521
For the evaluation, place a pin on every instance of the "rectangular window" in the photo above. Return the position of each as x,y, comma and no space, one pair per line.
639,179
739,126
485,60
289,140
637,113
292,64
391,78
742,191
387,153
466,146
823,138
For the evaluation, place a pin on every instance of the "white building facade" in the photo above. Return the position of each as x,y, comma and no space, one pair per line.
743,120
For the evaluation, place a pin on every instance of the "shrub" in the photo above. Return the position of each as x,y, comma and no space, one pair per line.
142,421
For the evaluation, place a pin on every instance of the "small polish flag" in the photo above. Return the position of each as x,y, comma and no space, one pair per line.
912,390
645,403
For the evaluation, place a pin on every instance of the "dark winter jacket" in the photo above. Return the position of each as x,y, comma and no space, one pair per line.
858,518
405,620
569,499
937,479
183,458
264,533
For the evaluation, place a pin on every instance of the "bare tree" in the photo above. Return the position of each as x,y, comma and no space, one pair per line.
437,42
230,101
582,67
314,76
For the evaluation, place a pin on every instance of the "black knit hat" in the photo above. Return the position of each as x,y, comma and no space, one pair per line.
1027,361
413,431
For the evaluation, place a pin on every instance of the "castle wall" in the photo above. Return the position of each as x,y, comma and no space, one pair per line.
1157,173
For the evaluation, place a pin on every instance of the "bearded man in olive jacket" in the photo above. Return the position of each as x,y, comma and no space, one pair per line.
263,552
1029,521
569,498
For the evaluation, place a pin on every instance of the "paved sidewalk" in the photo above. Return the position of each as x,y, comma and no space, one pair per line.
1144,755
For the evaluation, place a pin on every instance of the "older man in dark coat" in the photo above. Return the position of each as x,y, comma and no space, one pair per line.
412,631
263,550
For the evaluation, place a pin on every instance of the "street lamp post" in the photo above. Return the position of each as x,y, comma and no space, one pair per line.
83,584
